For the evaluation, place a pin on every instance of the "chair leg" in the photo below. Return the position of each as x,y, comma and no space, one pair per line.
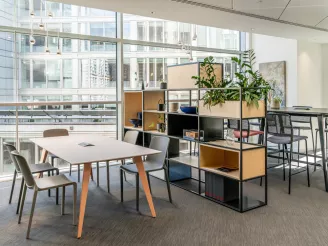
97,174
49,193
63,201
290,168
148,177
123,163
312,134
12,187
91,174
307,163
57,190
31,214
78,173
22,204
107,171
283,159
121,179
20,196
70,169
298,150
137,191
74,203
315,150
168,184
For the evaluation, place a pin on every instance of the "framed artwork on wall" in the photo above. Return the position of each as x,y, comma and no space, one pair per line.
275,74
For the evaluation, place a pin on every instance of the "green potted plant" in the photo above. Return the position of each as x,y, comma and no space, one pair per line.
225,102
275,103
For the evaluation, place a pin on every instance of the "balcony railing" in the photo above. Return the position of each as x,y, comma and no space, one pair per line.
21,121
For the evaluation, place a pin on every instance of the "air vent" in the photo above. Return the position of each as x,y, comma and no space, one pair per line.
232,11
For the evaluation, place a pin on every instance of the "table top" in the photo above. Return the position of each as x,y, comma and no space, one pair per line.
104,149
293,111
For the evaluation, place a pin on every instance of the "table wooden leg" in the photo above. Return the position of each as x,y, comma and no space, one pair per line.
43,159
84,196
143,177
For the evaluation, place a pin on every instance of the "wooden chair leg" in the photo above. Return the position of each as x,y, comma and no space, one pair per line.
31,214
63,201
12,187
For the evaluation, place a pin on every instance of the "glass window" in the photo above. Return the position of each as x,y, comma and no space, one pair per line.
67,99
110,30
25,74
96,29
53,99
39,99
85,73
53,73
67,73
39,74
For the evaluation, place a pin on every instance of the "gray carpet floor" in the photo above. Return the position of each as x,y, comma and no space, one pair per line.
297,219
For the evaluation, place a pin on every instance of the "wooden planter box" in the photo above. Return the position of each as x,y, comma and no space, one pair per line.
231,109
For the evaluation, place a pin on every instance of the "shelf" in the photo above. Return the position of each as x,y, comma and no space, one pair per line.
232,174
235,146
183,114
139,128
190,184
132,106
187,160
154,111
181,138
155,132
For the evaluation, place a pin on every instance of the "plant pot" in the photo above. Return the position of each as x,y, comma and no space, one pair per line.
275,104
160,127
174,107
231,109
163,86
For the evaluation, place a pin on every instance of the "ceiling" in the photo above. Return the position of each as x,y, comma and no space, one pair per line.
298,19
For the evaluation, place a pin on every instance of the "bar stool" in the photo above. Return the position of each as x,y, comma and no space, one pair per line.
281,129
246,132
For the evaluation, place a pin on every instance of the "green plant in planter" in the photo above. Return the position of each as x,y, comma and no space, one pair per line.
254,85
246,78
212,97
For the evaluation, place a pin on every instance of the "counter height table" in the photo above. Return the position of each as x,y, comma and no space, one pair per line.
319,113
101,148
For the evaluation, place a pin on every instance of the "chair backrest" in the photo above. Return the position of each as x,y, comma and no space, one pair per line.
10,148
279,124
25,169
235,125
55,133
159,143
301,119
131,137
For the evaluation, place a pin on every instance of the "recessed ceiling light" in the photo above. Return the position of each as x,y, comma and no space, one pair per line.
252,29
152,12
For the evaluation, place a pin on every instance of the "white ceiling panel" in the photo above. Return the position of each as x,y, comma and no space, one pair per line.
259,4
217,3
305,15
308,3
323,23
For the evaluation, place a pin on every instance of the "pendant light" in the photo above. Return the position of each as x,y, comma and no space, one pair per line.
194,38
31,4
41,24
32,39
47,48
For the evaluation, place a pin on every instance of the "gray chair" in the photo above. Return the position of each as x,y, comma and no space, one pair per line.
35,168
46,183
129,137
304,123
153,163
281,131
316,142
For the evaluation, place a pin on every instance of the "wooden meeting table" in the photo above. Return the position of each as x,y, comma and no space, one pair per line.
70,149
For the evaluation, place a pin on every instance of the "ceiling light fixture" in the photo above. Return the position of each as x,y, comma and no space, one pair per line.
58,48
50,14
195,33
32,14
32,39
47,50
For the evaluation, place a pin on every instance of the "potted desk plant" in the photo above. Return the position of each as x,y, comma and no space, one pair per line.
163,85
226,102
275,103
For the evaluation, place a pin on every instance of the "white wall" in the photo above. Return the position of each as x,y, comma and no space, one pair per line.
324,53
310,74
272,49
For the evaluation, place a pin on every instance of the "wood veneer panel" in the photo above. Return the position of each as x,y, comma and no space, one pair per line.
132,105
151,99
253,163
179,77
149,118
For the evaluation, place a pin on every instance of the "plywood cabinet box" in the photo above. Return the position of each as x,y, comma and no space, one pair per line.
231,109
179,76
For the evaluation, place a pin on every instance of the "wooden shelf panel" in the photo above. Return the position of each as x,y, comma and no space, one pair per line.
235,145
154,111
132,105
152,98
133,128
212,158
187,160
156,132
233,174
